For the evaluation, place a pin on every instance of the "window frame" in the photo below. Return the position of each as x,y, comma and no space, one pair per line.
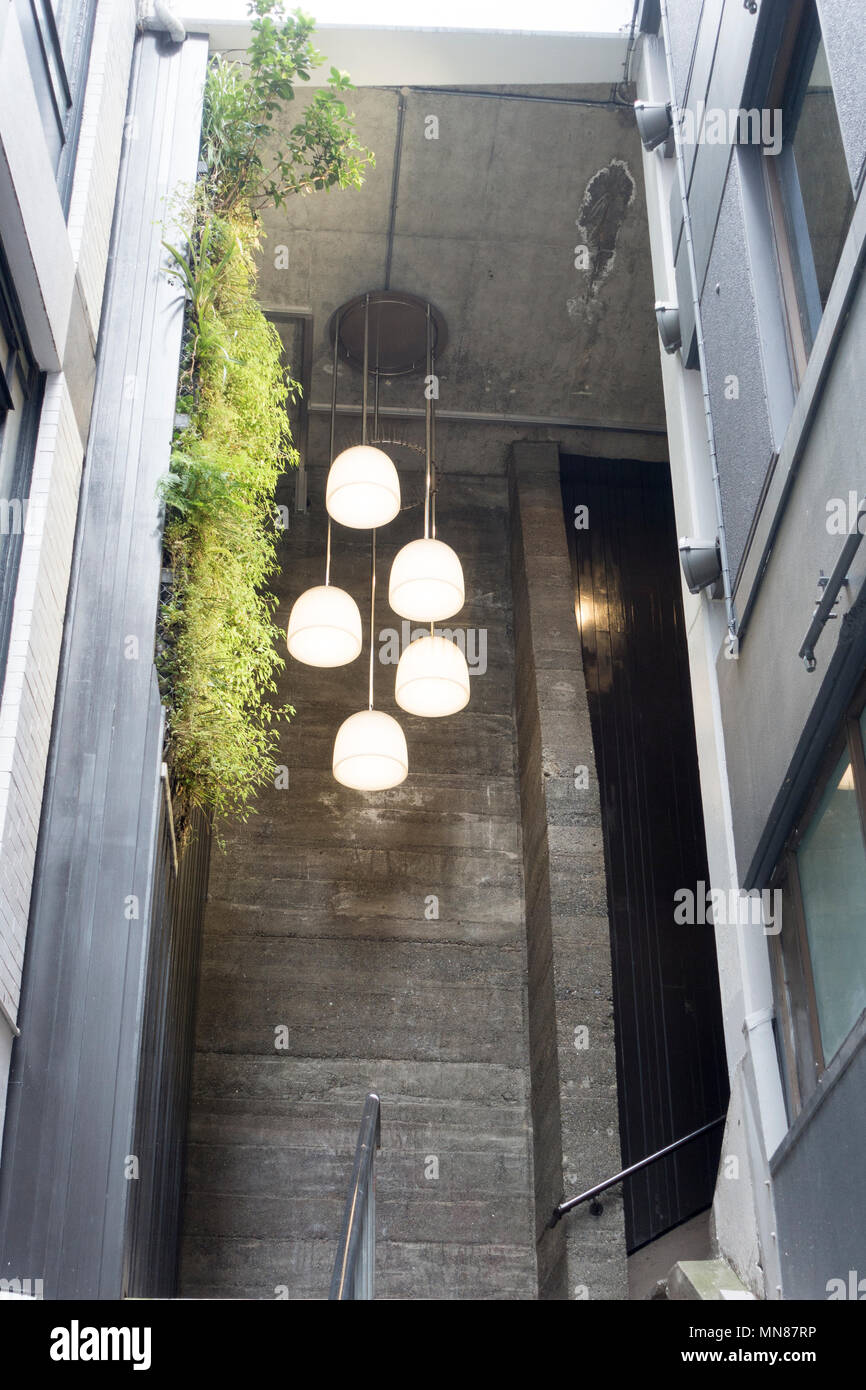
802,311
797,1024
58,66
22,362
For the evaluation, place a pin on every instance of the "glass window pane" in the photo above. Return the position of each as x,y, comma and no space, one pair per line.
825,184
832,864
10,429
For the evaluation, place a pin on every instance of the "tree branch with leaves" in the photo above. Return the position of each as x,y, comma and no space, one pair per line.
250,156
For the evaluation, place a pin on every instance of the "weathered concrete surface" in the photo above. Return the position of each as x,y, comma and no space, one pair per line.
316,921
487,224
695,1280
316,913
573,1072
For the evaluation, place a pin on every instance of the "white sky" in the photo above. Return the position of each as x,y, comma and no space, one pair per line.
567,16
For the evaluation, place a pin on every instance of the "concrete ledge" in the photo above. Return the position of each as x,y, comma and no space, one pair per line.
705,1280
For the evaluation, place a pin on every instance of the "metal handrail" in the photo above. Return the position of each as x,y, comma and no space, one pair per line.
355,1264
593,1192
837,580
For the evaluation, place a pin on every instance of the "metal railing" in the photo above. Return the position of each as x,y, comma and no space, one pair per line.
832,587
592,1193
355,1265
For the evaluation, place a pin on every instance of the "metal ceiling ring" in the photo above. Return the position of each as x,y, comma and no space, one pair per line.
398,332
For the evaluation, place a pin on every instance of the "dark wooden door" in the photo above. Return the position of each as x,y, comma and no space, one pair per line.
671,1067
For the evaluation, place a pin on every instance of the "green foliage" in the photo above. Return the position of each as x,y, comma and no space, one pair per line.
250,157
217,652
218,658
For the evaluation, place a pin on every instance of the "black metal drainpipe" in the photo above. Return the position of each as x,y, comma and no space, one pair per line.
395,179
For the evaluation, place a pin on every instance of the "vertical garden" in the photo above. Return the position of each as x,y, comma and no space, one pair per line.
218,648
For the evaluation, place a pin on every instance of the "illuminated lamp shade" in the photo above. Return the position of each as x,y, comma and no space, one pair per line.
370,752
363,488
432,678
324,627
426,582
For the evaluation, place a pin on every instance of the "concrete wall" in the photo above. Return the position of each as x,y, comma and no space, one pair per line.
320,898
316,922
574,1091
320,918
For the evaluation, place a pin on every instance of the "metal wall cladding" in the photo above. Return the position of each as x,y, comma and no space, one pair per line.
744,441
844,31
818,1185
65,1188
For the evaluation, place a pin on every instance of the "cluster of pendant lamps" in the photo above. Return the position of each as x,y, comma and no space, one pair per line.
426,585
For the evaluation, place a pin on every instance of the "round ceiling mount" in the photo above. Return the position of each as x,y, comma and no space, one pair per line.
397,333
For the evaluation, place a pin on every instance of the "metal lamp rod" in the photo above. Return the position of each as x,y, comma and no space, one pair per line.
331,446
428,427
366,368
434,485
372,610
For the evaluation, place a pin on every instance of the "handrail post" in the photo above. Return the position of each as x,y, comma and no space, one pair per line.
355,1262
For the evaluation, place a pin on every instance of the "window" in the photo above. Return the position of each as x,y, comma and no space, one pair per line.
20,400
819,958
809,188
57,36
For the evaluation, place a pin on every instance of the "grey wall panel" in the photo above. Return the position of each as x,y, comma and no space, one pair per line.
63,1191
767,697
744,437
819,1184
729,45
844,31
685,17
702,61
759,251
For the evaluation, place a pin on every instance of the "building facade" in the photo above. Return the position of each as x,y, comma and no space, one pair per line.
777,253
618,901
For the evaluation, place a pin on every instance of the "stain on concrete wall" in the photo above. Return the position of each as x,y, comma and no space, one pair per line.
607,197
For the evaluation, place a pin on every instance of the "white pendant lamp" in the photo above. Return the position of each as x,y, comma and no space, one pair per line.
363,488
432,678
370,752
426,583
325,627
325,622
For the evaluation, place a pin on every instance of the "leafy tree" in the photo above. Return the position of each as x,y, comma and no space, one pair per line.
252,155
